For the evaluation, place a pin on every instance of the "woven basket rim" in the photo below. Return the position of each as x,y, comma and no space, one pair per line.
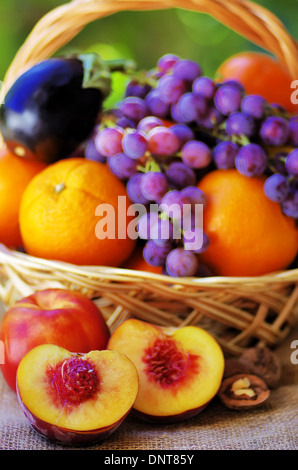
15,257
249,19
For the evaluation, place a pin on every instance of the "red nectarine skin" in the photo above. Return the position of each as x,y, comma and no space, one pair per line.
58,316
66,436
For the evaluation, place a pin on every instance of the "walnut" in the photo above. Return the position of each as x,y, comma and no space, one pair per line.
243,392
263,362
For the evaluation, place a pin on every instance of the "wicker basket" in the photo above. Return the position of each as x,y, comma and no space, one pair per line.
239,311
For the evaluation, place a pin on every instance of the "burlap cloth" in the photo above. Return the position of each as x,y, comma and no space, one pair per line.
272,427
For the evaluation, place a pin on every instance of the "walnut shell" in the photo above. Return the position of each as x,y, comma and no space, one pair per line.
235,366
251,393
263,362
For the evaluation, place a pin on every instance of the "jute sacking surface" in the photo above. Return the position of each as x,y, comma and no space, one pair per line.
272,427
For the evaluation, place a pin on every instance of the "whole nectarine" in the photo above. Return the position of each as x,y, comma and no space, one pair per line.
58,316
75,398
180,369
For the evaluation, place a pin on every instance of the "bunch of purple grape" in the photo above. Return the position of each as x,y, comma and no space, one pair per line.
173,126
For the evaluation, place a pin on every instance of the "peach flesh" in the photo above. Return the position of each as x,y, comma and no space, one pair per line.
75,398
180,369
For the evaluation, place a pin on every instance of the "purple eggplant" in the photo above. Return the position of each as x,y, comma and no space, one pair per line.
52,108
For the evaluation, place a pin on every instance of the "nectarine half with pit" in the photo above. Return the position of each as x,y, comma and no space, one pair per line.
180,369
58,316
75,398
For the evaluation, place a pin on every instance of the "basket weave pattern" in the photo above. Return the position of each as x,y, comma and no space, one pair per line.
238,311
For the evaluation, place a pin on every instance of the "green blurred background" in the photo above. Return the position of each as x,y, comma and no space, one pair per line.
141,36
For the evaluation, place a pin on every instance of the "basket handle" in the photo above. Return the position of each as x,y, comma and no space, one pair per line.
60,25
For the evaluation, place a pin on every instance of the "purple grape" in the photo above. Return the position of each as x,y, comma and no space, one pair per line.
154,185
91,153
291,164
190,107
251,160
254,106
133,188
175,205
148,123
236,84
170,88
195,196
212,118
154,254
162,231
156,105
290,204
186,70
276,187
126,123
274,131
134,108
183,132
180,175
162,142
135,144
108,141
181,263
196,154
240,124
122,166
175,115
145,224
166,62
195,240
189,221
227,99
135,88
224,155
204,86
293,127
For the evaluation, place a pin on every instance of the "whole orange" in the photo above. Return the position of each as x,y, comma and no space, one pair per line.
249,234
62,207
260,74
15,174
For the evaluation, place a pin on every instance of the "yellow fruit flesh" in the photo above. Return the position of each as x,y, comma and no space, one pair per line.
114,398
199,380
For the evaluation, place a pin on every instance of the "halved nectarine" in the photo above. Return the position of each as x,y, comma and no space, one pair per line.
180,369
75,398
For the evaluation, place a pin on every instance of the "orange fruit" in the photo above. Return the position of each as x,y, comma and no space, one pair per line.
138,263
15,174
59,214
260,74
249,234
